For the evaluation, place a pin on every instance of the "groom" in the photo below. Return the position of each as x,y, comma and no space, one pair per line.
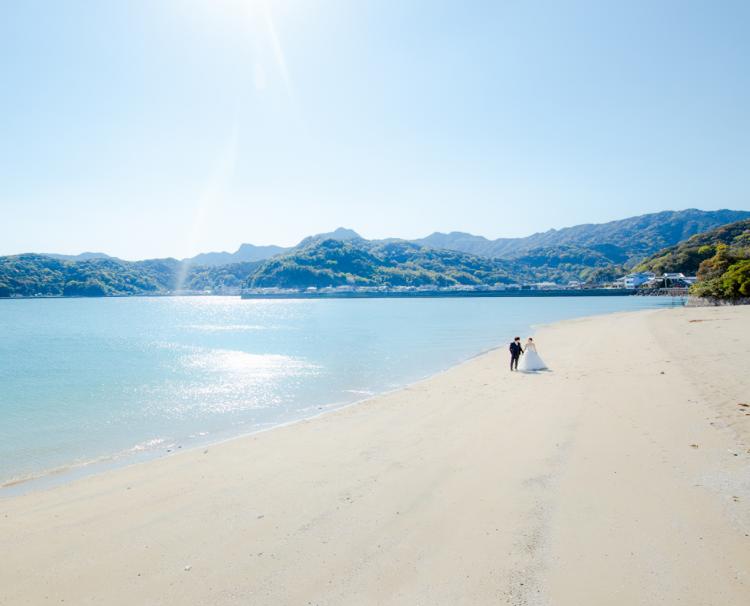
515,352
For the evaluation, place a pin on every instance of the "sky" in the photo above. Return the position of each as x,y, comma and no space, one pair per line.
154,128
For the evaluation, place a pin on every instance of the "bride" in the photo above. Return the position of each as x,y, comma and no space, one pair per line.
531,360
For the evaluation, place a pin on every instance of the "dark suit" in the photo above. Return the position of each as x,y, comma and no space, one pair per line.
515,352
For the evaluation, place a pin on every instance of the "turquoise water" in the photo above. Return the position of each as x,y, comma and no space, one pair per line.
105,380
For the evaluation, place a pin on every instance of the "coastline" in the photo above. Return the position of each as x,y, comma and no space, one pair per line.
77,470
471,486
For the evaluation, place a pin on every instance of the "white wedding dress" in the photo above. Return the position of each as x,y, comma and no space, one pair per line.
531,360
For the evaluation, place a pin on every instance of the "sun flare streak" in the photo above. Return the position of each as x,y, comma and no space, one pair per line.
213,195
278,50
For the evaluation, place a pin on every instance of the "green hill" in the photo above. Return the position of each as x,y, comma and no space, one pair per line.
358,262
720,258
31,275
562,264
687,256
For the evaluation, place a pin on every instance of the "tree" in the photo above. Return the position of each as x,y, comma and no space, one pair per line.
716,265
736,280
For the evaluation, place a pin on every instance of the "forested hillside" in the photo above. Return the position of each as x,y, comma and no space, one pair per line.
687,256
720,257
624,241
586,253
32,274
358,262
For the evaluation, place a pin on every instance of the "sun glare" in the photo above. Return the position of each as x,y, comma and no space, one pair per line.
255,20
229,11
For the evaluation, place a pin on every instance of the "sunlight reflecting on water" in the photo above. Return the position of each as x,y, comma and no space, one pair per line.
247,365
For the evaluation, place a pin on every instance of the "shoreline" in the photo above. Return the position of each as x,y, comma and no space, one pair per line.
75,471
618,478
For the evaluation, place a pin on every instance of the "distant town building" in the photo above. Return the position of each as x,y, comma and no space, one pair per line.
678,279
635,280
545,286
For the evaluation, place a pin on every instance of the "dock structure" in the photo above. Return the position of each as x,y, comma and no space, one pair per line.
671,291
371,294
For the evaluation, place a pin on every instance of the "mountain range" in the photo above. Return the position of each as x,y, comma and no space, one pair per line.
623,241
591,253
246,252
620,241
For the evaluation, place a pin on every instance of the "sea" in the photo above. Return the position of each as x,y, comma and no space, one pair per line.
87,384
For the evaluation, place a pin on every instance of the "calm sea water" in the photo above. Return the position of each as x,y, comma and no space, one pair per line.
103,380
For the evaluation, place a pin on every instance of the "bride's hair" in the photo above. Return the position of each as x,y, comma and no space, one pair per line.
530,339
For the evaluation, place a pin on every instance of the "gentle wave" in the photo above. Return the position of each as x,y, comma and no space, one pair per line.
146,445
124,455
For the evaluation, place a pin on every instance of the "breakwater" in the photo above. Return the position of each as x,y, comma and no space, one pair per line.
398,294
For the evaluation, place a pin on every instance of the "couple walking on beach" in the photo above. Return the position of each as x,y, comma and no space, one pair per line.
531,359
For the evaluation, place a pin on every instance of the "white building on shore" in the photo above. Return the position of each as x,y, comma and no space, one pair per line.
635,280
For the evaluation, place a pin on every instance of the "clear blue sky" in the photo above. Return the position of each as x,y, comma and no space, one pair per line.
148,128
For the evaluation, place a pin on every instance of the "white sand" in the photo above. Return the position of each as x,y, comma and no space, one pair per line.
604,482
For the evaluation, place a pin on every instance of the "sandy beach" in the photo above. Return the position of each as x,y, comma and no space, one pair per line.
621,477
